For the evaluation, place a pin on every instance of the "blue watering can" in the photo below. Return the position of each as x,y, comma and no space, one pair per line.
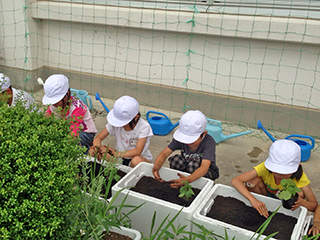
102,103
161,125
83,96
304,145
214,129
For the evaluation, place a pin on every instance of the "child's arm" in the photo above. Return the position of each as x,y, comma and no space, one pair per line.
159,162
198,173
316,222
100,137
238,183
309,201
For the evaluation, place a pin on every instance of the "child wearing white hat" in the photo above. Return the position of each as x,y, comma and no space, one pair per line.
14,95
132,133
283,163
62,103
197,150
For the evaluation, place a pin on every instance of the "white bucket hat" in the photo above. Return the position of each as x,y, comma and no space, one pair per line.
124,110
284,157
55,88
4,82
191,125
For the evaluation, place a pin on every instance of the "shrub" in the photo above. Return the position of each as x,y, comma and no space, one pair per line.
38,197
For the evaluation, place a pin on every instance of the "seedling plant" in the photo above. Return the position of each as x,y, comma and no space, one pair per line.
186,190
289,189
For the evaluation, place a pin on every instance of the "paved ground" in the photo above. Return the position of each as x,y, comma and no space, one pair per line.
234,156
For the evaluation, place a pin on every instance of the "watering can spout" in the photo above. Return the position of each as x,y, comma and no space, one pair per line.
174,126
260,126
226,137
214,129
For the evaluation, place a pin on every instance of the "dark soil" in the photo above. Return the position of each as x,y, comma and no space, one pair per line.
115,236
95,168
162,190
235,212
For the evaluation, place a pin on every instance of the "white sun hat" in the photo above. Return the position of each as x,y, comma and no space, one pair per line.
55,88
4,82
124,110
191,125
284,157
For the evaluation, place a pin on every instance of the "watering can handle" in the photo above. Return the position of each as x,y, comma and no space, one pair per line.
90,102
302,136
74,90
147,116
213,120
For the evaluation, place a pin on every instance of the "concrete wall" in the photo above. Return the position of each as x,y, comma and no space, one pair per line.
234,68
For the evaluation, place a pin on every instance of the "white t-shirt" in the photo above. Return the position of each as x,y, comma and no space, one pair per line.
23,96
127,140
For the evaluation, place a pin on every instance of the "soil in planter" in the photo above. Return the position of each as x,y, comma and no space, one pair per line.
90,167
233,211
162,190
115,236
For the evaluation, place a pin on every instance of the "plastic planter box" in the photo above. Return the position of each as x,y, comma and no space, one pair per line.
219,227
308,223
119,166
142,218
132,233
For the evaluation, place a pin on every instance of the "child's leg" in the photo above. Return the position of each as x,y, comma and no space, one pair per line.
138,159
178,162
86,140
256,185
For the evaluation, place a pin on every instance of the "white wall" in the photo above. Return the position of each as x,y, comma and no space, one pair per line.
262,58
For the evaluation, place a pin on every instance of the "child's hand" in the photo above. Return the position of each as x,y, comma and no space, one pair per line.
177,183
93,150
298,203
260,207
156,174
315,229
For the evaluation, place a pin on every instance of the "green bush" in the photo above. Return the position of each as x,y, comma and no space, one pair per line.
39,158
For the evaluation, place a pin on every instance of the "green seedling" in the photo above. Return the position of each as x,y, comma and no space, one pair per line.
186,190
289,189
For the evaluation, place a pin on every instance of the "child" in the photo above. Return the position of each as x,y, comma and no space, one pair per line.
315,229
132,133
197,150
14,95
58,96
283,163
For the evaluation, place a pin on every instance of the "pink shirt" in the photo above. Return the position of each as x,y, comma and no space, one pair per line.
81,115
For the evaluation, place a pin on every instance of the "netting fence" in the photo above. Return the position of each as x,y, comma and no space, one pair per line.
237,61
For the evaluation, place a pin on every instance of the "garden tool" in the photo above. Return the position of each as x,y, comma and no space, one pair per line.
214,128
102,103
83,96
161,125
304,145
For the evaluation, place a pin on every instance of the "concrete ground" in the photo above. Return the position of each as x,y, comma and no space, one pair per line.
234,156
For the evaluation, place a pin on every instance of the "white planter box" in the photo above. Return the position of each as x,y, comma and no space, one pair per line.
120,167
132,233
219,227
142,218
308,223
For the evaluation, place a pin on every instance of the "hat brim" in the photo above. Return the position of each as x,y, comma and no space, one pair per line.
187,139
114,121
52,100
277,168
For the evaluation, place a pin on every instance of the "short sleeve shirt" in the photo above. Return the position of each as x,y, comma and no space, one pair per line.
20,95
206,150
127,140
268,179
